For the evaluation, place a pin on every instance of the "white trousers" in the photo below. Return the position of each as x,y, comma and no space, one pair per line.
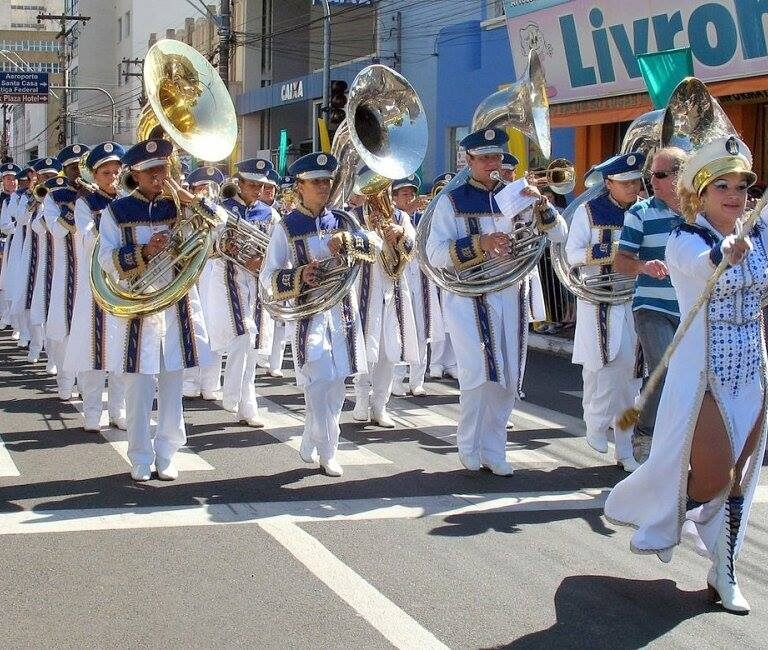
324,397
278,348
377,383
608,392
36,339
170,434
91,386
443,356
65,381
483,416
210,375
239,376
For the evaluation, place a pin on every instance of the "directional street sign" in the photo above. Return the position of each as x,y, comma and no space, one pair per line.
24,87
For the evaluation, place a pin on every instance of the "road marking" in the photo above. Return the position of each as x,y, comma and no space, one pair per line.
380,612
58,521
287,427
7,466
185,459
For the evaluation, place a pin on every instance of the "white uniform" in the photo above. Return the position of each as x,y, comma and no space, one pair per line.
86,354
7,226
605,342
34,248
15,278
159,345
328,346
723,352
489,333
236,321
58,207
428,314
389,326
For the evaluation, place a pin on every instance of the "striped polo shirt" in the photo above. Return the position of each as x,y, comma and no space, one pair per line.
647,226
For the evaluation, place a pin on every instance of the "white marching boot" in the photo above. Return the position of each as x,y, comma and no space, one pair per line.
362,408
721,580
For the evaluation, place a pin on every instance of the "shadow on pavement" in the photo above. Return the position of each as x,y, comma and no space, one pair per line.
617,613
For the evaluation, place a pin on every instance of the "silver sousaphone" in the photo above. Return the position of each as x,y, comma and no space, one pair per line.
692,117
522,106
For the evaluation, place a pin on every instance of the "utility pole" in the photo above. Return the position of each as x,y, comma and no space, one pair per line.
64,64
224,38
326,58
127,64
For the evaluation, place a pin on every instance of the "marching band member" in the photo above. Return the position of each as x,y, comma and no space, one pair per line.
710,432
605,340
488,331
58,211
15,279
442,359
386,315
8,198
235,312
205,380
86,352
133,229
430,329
274,364
34,260
329,346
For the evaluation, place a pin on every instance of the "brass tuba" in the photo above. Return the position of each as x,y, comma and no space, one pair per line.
190,103
523,106
385,129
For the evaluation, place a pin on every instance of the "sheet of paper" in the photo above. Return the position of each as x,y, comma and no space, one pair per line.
512,201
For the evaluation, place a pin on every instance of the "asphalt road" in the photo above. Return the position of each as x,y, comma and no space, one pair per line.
253,548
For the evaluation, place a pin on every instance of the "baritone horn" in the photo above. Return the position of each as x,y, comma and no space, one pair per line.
190,104
524,106
559,176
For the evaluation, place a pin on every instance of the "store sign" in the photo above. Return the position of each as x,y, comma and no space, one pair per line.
590,50
292,91
23,87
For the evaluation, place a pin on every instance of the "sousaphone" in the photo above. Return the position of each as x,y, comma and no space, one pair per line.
189,104
522,106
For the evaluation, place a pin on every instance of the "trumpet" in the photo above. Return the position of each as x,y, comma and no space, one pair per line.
559,176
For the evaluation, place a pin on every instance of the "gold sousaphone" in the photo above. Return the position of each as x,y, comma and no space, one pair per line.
190,103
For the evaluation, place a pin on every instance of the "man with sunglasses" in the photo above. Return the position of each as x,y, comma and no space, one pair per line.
647,227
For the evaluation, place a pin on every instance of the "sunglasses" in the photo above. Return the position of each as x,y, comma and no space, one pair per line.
664,173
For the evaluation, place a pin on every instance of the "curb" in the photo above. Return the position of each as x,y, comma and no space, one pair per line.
553,344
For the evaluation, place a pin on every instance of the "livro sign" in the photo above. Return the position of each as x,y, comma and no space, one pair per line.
23,87
590,50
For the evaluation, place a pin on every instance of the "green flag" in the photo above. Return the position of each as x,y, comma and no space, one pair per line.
282,152
662,71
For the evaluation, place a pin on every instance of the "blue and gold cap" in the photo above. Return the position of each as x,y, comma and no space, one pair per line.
314,165
485,142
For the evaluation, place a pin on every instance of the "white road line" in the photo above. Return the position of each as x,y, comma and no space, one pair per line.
287,427
7,466
185,460
58,521
400,629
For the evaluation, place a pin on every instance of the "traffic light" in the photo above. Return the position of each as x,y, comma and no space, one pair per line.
337,101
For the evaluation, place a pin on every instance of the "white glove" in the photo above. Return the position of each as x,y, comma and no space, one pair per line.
735,248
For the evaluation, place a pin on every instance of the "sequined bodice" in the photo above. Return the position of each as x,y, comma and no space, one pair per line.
735,307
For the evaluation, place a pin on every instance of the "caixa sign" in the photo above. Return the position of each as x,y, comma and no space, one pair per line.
588,49
292,91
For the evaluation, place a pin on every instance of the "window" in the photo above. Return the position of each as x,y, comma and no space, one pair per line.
119,29
458,158
127,23
494,9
